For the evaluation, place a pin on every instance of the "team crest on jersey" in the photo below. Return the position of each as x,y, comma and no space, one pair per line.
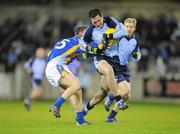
62,70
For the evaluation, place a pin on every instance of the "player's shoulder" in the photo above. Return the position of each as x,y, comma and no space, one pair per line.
88,34
89,29
110,21
66,40
109,18
136,37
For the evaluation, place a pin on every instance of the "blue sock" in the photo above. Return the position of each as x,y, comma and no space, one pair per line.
59,102
80,117
111,97
112,114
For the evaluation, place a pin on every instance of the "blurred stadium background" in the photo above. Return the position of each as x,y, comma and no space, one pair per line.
28,24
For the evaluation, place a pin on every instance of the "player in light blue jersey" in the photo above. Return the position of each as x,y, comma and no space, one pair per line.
58,74
107,62
128,50
35,66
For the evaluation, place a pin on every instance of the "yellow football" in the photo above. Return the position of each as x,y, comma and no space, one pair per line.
111,31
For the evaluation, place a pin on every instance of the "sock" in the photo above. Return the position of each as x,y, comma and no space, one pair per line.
88,106
112,114
80,117
117,98
111,97
59,102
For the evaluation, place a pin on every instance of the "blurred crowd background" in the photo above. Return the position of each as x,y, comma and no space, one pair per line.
29,24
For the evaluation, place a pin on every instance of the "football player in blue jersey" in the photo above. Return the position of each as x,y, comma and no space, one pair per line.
107,63
58,74
35,66
128,50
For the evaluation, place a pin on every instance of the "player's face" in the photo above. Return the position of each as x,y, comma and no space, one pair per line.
130,28
81,33
97,21
41,53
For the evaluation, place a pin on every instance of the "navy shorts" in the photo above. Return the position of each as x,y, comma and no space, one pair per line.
36,82
121,72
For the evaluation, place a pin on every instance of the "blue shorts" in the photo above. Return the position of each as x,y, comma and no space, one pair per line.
121,72
36,82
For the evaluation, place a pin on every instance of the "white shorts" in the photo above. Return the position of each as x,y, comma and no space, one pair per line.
53,72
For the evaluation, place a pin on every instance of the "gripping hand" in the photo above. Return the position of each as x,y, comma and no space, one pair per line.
84,55
136,55
106,38
94,50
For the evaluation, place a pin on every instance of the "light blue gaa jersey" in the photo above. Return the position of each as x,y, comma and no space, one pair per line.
37,66
95,34
66,50
127,46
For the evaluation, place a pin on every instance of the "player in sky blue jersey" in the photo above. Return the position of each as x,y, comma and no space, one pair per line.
128,49
105,61
35,66
58,74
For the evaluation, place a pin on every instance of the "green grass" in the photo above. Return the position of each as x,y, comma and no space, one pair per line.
140,118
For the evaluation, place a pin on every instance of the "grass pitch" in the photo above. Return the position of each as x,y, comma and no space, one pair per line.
140,118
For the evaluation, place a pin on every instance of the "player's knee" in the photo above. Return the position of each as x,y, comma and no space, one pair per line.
76,85
109,70
125,90
127,94
127,97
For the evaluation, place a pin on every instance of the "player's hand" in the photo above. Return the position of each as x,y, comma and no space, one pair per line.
135,55
102,46
84,55
106,37
94,50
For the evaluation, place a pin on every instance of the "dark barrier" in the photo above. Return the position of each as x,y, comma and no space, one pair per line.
161,87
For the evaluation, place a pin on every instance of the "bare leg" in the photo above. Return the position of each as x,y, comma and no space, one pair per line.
76,101
36,92
106,69
99,96
124,86
71,85
72,89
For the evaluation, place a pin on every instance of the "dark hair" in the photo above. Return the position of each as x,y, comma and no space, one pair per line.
94,12
78,29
